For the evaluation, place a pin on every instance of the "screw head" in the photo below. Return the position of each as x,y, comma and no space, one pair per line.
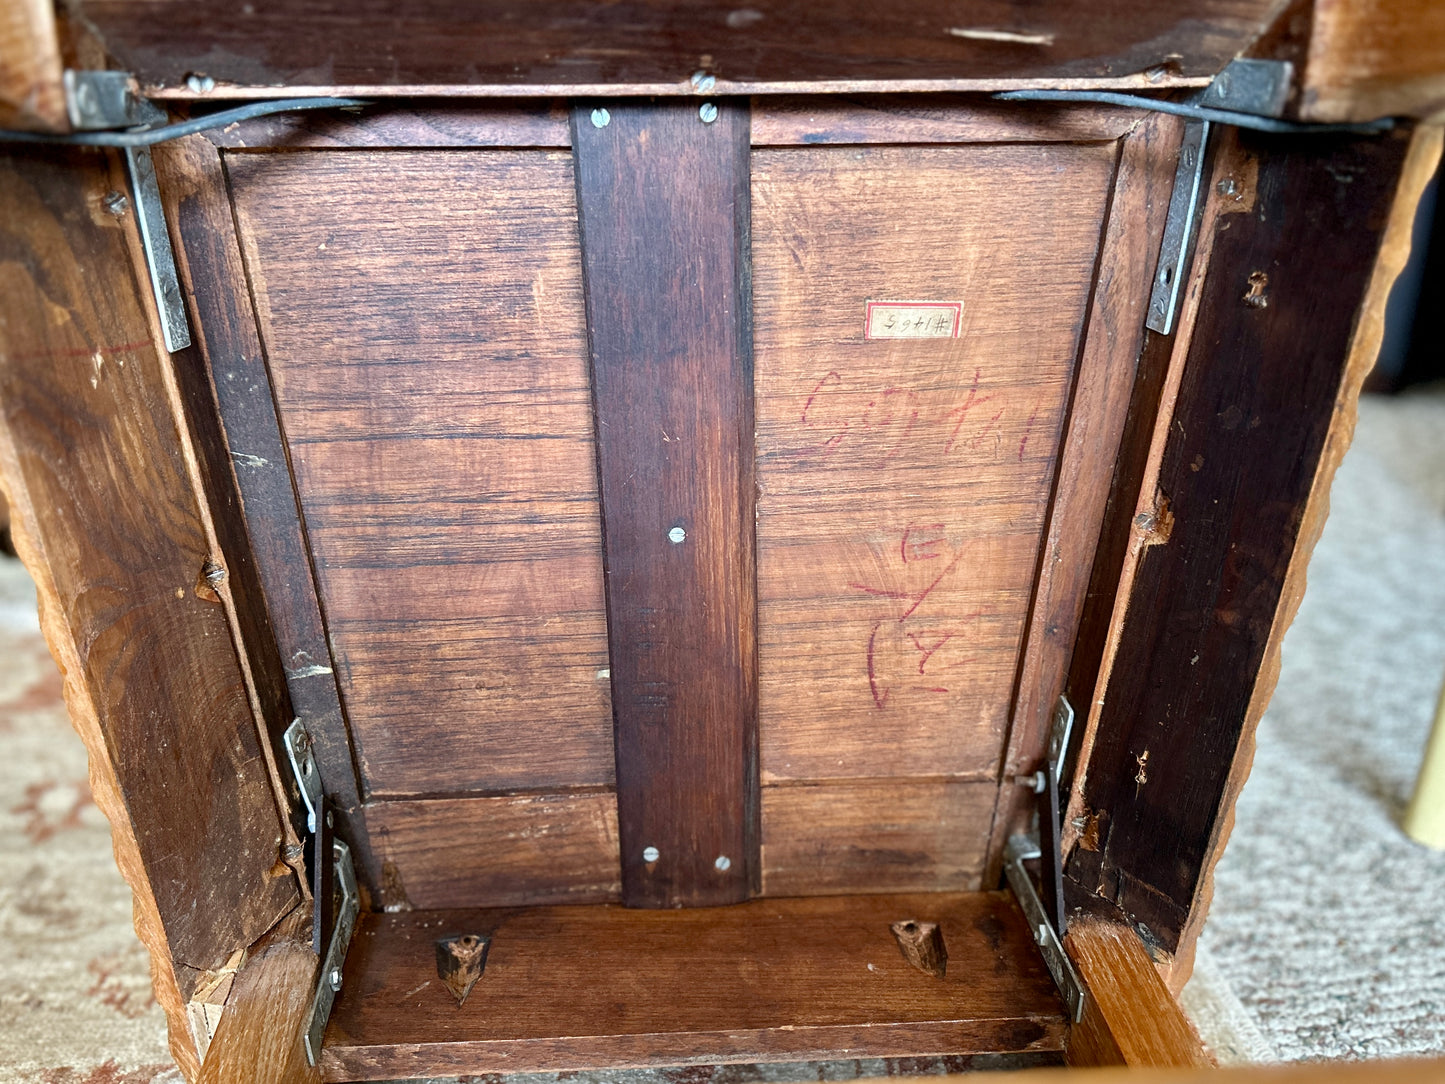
723,863
199,84
116,203
601,118
703,82
708,112
335,978
650,855
676,535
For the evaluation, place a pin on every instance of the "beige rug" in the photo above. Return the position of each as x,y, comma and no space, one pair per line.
1326,938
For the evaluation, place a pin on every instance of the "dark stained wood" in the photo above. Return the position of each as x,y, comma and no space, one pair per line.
653,46
875,835
763,981
460,961
904,483
503,851
922,946
259,1037
663,202
231,409
1253,410
1113,341
457,124
816,120
424,331
1130,1017
114,529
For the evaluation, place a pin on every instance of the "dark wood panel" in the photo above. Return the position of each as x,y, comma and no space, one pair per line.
225,377
104,495
585,987
1256,401
927,118
904,483
455,124
663,200
890,835
422,316
510,850
1113,341
649,45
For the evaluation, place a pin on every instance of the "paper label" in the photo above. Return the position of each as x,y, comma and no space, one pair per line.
913,320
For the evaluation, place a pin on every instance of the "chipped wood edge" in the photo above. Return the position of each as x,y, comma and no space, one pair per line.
104,785
1419,167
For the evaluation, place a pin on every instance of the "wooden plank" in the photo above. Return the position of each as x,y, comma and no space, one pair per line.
424,330
663,200
508,851
1374,58
108,521
924,118
235,419
1421,165
1254,408
32,94
596,987
654,46
1401,1071
462,124
904,482
875,835
1113,342
260,1034
1130,1018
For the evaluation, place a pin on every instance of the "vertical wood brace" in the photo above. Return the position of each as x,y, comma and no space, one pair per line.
663,200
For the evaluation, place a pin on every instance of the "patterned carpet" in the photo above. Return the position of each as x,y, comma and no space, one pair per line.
1325,940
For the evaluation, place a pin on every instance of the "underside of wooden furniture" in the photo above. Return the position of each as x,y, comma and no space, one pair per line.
674,527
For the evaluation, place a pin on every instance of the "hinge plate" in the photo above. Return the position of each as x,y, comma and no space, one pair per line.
328,982
1178,229
1020,850
99,100
156,241
304,770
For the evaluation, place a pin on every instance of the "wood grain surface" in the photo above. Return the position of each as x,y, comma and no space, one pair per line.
233,410
32,94
904,483
1114,339
1372,58
259,1037
768,980
1130,1017
512,850
875,835
663,200
456,124
424,328
112,529
653,46
1254,408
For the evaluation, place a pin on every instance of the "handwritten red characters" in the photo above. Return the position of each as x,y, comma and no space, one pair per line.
879,425
906,648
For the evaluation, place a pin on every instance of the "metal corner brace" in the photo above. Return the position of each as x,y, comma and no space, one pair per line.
333,885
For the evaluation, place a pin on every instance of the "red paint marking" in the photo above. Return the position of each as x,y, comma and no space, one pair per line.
816,389
881,592
928,689
103,351
1027,428
919,549
923,595
878,701
928,652
962,411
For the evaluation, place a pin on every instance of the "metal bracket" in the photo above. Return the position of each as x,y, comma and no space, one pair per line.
303,767
1179,225
1020,850
1258,87
98,100
1051,813
160,260
328,982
